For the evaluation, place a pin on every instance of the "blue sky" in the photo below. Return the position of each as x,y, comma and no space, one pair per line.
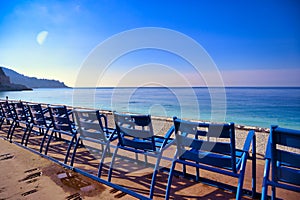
253,43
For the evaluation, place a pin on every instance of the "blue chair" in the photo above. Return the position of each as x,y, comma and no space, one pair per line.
284,163
135,134
92,126
40,118
212,147
6,115
2,114
62,125
21,118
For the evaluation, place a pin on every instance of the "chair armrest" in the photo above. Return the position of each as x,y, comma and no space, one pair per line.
268,149
167,138
45,110
102,118
250,139
70,112
112,136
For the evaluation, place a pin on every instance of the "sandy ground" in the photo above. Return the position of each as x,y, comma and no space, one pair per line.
25,175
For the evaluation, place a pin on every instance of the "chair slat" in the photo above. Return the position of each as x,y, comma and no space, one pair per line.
218,160
216,147
287,137
136,132
289,175
138,144
89,125
288,158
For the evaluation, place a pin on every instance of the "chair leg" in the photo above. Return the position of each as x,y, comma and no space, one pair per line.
1,122
112,163
74,152
197,173
239,191
273,193
106,150
264,192
28,135
146,160
12,131
155,171
48,143
254,167
43,140
25,136
183,169
70,147
170,180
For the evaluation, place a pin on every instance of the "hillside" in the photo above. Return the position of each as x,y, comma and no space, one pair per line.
6,85
32,82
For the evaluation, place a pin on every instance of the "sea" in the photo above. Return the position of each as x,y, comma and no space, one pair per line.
246,106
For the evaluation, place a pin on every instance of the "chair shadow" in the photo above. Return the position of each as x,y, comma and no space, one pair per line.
179,184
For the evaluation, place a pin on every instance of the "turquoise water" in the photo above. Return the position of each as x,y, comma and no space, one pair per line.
245,106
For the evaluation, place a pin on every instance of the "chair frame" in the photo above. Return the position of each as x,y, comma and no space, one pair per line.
2,114
6,115
62,125
219,157
285,165
38,120
92,126
140,141
20,115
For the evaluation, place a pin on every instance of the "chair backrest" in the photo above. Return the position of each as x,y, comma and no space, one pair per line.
2,109
207,138
2,114
90,124
285,162
60,118
37,114
20,111
5,108
135,131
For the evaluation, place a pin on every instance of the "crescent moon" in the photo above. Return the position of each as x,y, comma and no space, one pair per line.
41,37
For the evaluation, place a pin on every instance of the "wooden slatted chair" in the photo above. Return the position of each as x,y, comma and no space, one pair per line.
135,134
284,162
92,127
211,147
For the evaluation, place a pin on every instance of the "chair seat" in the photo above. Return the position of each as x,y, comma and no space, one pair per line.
137,143
289,175
209,158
